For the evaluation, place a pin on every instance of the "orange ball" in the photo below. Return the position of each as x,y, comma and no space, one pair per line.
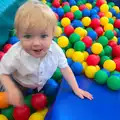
3,100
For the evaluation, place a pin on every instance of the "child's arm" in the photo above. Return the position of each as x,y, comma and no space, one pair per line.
14,94
69,76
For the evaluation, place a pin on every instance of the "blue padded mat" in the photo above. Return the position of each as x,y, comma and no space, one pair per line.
105,106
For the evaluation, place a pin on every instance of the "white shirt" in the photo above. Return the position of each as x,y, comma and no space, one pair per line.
29,71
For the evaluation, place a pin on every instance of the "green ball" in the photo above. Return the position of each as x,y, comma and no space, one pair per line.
117,30
69,46
57,75
66,8
101,77
59,24
78,14
63,49
113,82
12,33
49,4
8,112
114,72
109,34
102,53
84,1
108,50
103,40
56,40
74,37
79,3
79,46
103,59
89,29
111,20
111,3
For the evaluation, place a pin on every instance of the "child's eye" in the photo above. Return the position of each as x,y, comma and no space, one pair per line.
44,36
28,36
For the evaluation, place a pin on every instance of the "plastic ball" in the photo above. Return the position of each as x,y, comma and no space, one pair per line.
82,7
86,12
93,12
65,21
51,87
104,8
70,52
3,100
74,37
65,3
66,8
79,46
74,8
113,82
104,21
103,59
103,40
96,48
89,6
68,30
100,2
97,67
21,112
39,101
58,31
88,41
108,50
60,12
84,64
108,14
56,3
108,26
99,31
70,62
93,59
57,75
77,23
116,8
85,54
101,14
117,62
112,43
109,34
72,2
2,117
109,65
101,77
77,68
116,51
78,56
117,23
90,71
36,116
13,40
92,34
7,47
95,23
78,14
70,15
63,41
115,39
86,21
1,54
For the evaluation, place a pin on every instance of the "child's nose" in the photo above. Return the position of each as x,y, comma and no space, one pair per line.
36,42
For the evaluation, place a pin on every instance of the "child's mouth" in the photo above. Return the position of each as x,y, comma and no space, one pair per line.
37,51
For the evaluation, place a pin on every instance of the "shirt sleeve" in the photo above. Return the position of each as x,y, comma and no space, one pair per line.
62,60
8,62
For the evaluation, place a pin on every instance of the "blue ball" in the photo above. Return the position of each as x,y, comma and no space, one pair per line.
13,40
60,12
93,12
95,16
118,34
54,9
77,68
69,60
119,40
72,2
51,87
92,34
90,1
113,12
108,73
97,9
29,91
86,12
77,23
118,15
89,50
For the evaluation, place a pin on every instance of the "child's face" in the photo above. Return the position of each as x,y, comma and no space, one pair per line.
36,42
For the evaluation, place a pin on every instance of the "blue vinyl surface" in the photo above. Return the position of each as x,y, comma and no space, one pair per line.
105,106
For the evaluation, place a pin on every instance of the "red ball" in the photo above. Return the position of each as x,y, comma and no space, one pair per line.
21,112
56,3
88,41
117,62
99,31
112,43
7,47
95,23
68,30
101,14
117,23
116,51
70,15
65,3
82,7
39,101
115,33
1,54
100,2
93,59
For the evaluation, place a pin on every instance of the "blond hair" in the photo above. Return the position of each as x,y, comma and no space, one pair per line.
34,15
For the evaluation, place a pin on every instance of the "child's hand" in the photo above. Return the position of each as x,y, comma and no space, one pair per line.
81,93
15,97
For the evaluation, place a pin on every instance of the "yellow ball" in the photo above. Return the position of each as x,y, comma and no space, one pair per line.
86,21
2,117
114,18
82,32
70,52
85,54
104,8
58,31
109,65
65,21
74,8
108,14
96,48
104,21
43,112
63,41
36,116
108,26
78,56
84,64
116,8
115,39
97,67
90,71
89,6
